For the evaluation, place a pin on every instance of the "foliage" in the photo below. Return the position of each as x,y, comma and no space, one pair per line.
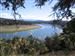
62,6
12,3
31,45
71,25
40,2
18,45
53,43
62,42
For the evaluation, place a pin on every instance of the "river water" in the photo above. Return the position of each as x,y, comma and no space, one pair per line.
40,33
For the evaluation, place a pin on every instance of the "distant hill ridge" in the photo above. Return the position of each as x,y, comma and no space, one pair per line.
4,21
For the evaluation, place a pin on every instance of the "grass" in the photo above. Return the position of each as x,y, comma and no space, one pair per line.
62,45
14,28
28,47
31,46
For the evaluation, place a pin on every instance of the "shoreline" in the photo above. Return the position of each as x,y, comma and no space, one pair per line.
14,28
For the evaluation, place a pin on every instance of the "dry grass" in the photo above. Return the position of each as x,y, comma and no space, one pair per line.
58,53
14,28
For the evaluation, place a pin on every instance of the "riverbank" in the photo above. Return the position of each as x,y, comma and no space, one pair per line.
14,28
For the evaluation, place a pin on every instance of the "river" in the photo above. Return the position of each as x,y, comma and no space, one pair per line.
40,33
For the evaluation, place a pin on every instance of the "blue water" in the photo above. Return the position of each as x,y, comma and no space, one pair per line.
41,33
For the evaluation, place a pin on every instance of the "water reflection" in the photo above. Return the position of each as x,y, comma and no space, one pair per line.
41,33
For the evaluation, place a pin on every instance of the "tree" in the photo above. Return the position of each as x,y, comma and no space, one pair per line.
19,3
12,3
64,6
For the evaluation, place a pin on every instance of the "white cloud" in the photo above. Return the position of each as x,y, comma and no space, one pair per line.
36,17
6,15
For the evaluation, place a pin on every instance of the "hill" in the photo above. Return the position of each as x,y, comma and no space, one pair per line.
4,21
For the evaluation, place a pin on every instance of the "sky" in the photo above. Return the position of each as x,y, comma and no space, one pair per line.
31,11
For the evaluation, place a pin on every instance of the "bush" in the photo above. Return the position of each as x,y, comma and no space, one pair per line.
53,43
